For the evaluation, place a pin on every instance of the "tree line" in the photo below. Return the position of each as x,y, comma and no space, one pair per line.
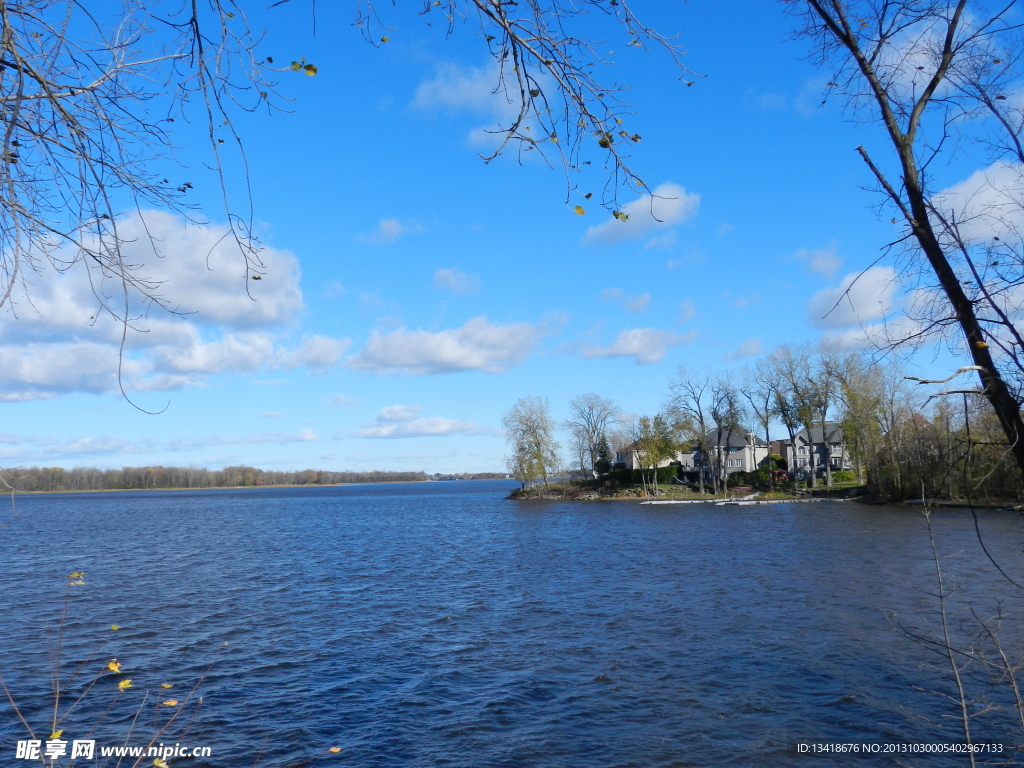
37,479
905,438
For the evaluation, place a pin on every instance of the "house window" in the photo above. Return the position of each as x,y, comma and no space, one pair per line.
803,451
739,463
801,462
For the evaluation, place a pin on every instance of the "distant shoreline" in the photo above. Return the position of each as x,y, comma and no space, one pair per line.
15,492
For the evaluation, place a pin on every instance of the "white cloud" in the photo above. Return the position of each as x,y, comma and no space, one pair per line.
822,261
38,448
740,301
340,401
860,298
476,90
686,310
197,271
637,303
875,335
399,413
318,352
669,205
644,345
275,438
988,204
747,348
459,88
397,421
38,371
389,230
63,341
478,345
456,280
426,427
662,242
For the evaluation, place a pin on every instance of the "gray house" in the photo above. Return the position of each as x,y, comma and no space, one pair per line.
810,450
739,451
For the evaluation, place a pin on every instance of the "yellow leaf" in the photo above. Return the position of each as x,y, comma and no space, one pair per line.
125,684
310,69
114,627
296,66
166,685
335,750
114,666
160,763
981,345
385,39
56,734
76,574
578,210
170,703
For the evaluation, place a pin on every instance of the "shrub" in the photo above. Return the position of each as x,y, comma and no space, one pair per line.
843,476
636,477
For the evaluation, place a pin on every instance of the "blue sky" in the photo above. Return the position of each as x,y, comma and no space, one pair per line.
413,292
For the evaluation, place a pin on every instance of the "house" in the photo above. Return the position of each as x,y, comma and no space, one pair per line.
779,448
631,457
739,451
809,449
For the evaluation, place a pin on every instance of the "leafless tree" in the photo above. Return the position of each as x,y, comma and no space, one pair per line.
89,103
591,416
936,77
91,100
689,402
799,395
760,389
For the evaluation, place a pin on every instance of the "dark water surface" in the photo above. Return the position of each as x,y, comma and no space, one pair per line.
438,624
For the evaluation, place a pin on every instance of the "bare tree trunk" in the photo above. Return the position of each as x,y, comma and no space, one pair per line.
912,201
827,445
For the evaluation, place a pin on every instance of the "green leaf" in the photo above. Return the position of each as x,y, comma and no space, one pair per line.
578,210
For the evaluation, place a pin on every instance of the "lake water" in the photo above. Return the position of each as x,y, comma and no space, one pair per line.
441,625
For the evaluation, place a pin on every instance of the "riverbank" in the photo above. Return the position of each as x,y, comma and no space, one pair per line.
665,494
742,496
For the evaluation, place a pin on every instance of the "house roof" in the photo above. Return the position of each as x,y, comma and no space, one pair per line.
736,438
832,429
